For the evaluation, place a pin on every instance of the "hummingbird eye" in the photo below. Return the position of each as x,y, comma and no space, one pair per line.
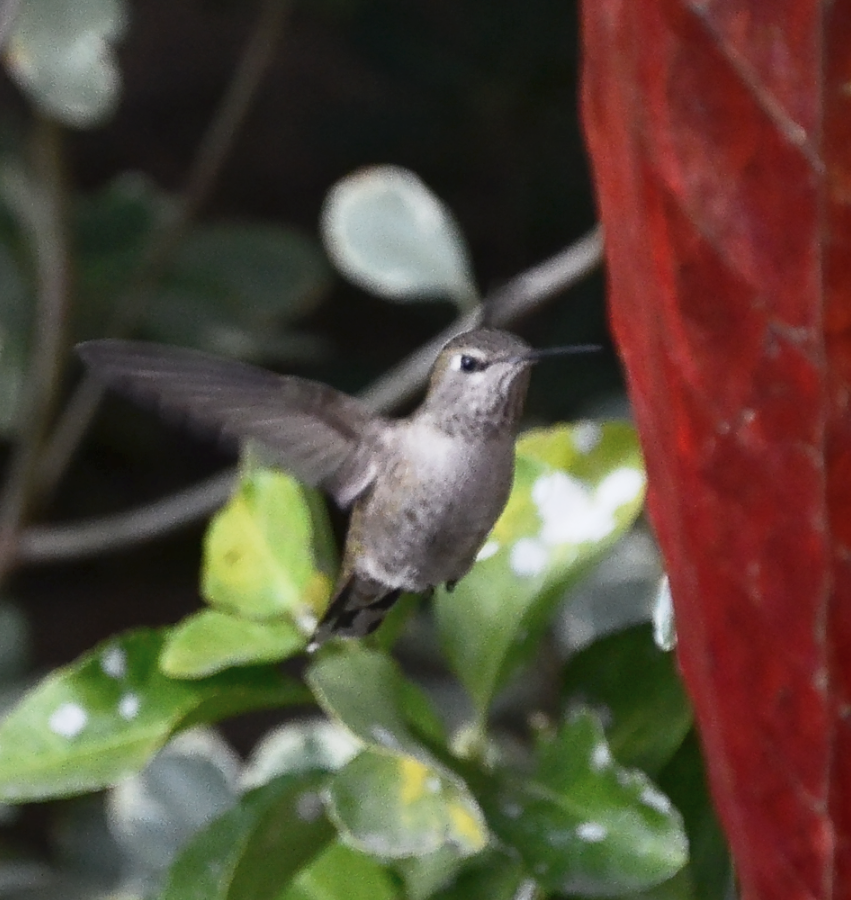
468,363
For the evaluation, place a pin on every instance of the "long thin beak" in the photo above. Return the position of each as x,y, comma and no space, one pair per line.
534,355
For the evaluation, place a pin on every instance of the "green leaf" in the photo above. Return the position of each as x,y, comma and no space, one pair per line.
185,787
576,490
112,230
269,552
341,872
365,690
489,876
255,267
710,865
233,287
302,746
61,54
114,222
393,799
210,641
646,708
388,233
584,825
92,723
255,849
677,888
425,874
394,805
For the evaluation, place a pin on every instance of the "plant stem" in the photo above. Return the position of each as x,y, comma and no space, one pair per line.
39,200
215,146
518,297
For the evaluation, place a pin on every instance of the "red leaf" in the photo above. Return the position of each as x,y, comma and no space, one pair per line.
720,136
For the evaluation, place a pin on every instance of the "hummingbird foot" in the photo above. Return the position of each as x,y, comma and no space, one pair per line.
450,585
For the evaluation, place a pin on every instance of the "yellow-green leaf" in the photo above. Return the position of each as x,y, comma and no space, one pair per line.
269,552
396,806
395,798
209,641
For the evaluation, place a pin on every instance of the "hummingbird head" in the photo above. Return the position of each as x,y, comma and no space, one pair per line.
479,382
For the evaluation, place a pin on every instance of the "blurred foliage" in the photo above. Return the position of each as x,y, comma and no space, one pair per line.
517,770
388,233
62,55
383,787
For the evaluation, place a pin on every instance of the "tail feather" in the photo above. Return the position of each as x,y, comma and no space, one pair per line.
358,608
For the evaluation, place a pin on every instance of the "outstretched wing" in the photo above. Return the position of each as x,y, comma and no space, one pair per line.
314,430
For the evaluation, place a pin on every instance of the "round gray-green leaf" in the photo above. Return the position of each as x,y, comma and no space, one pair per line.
187,785
394,799
61,54
366,691
394,805
389,234
302,746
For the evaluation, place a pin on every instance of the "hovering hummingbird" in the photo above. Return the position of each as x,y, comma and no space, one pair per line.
424,491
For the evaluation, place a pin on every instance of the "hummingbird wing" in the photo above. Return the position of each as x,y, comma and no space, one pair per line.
316,432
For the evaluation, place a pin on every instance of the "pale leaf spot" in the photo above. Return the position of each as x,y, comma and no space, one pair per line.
586,436
68,720
309,806
113,661
569,511
591,832
529,557
128,706
620,487
601,758
656,800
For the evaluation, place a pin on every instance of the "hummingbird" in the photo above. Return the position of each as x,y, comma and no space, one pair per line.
424,491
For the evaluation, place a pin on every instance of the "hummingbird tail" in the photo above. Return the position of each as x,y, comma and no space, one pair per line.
356,611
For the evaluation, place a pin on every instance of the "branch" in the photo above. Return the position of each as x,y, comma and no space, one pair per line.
54,543
38,200
213,150
519,297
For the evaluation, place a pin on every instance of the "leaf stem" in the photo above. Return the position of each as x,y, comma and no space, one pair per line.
215,146
39,199
518,297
